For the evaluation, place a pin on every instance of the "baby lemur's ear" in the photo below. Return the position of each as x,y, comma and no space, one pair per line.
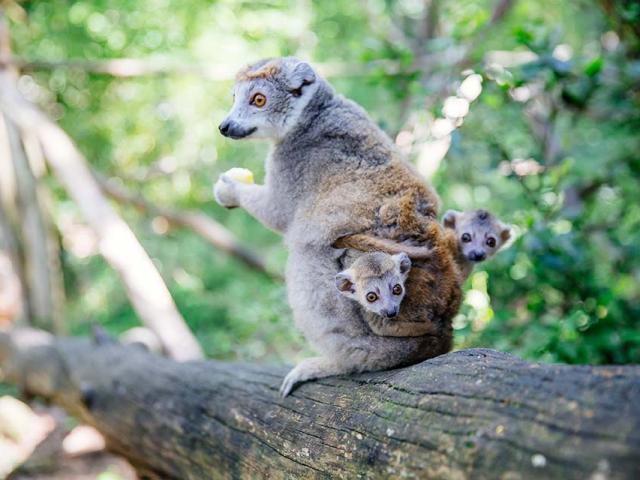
403,262
300,76
449,219
345,283
505,232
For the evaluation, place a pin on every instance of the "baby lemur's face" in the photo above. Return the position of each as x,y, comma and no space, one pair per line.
376,281
269,97
479,233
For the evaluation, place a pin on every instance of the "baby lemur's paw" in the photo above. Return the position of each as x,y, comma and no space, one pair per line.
225,191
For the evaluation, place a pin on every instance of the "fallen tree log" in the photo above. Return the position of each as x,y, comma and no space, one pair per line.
469,414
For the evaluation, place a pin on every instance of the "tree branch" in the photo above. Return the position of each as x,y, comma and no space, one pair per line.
468,414
126,67
13,302
146,289
148,67
213,232
39,248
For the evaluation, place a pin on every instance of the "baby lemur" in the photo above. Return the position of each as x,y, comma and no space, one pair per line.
377,280
475,236
332,172
472,236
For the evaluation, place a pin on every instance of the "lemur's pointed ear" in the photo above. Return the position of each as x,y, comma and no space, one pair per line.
505,232
345,283
449,219
301,75
403,261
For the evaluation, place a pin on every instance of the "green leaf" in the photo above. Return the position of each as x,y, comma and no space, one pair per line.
594,66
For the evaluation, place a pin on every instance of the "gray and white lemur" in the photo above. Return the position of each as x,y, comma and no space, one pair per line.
329,174
476,236
377,280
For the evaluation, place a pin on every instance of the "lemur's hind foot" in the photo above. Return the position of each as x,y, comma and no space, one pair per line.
310,369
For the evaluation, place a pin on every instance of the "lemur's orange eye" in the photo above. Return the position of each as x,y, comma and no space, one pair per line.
259,100
397,289
371,297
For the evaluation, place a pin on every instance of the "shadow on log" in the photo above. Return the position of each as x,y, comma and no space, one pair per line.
468,414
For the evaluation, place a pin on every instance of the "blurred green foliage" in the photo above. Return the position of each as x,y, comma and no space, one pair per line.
550,145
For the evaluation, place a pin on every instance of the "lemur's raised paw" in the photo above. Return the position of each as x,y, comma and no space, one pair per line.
225,191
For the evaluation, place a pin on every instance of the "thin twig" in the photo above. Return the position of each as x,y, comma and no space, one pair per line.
132,67
212,231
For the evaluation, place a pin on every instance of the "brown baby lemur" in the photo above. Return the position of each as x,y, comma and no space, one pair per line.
377,280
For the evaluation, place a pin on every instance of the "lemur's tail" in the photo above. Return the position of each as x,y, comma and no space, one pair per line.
369,243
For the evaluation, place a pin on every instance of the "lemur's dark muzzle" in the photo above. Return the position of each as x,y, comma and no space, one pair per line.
477,256
231,129
391,313
224,127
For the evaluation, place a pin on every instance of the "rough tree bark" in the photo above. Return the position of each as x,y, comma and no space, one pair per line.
468,414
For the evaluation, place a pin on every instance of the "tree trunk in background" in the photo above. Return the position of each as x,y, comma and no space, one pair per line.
468,414
144,285
14,305
12,300
37,165
34,237
30,242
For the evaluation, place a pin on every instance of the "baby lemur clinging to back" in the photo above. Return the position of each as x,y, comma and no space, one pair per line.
377,280
475,236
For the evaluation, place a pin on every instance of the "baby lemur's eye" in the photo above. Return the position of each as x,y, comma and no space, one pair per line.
259,100
397,289
491,242
371,297
466,238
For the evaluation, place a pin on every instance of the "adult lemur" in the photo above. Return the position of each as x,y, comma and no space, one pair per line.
332,172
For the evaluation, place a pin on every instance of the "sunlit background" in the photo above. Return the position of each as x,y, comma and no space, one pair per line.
526,108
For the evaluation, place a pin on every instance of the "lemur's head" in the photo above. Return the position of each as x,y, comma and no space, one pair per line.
376,281
480,234
269,97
